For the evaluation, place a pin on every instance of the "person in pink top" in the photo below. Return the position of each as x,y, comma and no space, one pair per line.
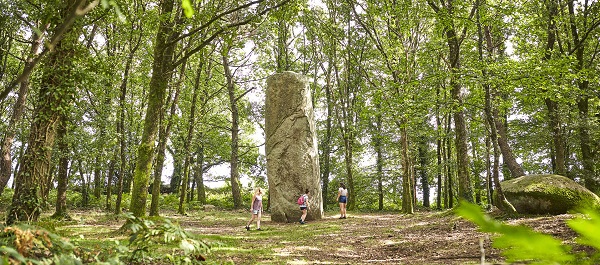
256,208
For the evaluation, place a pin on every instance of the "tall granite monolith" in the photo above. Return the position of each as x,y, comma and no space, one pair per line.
292,152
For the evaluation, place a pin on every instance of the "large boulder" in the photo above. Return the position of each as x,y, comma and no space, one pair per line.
291,148
547,194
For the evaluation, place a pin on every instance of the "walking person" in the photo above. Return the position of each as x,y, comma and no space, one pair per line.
342,198
303,202
256,208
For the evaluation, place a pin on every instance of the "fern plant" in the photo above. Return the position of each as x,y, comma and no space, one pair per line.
522,244
147,235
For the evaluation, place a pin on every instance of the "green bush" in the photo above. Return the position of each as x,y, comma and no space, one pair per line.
6,197
522,244
24,244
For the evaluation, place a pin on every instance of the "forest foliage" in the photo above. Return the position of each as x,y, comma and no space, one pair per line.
419,103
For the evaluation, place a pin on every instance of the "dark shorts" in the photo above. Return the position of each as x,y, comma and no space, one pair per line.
302,208
343,199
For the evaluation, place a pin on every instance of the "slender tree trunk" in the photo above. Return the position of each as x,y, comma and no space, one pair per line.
348,166
281,48
159,161
407,188
109,179
175,183
439,147
423,171
198,174
326,144
488,171
502,139
587,153
445,13
84,185
507,155
234,174
379,151
98,163
63,168
449,163
188,142
552,106
161,74
492,119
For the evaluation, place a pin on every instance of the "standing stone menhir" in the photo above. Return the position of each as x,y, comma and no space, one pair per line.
292,152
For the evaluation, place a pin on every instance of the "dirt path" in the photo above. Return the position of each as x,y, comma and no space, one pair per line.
422,238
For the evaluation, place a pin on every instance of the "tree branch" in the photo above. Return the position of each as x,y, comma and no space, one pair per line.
223,29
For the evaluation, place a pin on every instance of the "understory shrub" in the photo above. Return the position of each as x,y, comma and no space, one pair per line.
150,241
522,244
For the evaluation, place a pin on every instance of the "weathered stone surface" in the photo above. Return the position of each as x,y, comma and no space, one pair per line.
292,153
547,194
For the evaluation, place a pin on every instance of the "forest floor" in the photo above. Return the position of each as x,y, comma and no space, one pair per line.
367,238
427,237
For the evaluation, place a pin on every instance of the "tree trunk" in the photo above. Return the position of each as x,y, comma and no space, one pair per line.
56,94
198,174
449,163
465,190
559,158
423,171
234,173
161,74
488,174
7,141
188,140
109,179
84,186
439,146
159,161
407,194
493,121
507,155
379,160
326,144
175,183
63,168
585,142
98,163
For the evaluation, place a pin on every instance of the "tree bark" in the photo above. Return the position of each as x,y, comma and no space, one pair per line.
161,74
234,173
164,134
559,157
7,141
188,140
56,94
591,182
507,155
465,190
63,176
198,174
423,171
109,179
407,187
379,160
449,163
439,146
325,158
491,115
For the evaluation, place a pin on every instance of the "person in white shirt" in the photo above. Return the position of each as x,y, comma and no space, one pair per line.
342,198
